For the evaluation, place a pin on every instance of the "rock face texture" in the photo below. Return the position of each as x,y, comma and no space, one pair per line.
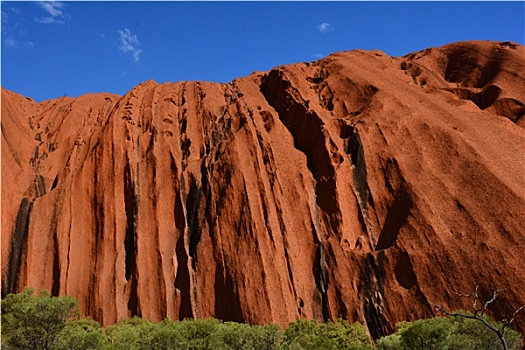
360,186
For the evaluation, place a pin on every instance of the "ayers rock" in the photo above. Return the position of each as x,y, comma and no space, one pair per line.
360,186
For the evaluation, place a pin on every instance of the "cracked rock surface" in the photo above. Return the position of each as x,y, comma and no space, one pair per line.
360,186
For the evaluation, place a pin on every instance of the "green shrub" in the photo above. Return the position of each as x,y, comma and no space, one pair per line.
431,334
163,336
198,332
231,335
338,335
450,333
34,321
472,334
82,334
43,322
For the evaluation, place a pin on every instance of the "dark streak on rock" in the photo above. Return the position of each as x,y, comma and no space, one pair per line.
18,247
372,288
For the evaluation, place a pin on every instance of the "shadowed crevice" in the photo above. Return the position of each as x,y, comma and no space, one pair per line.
396,218
404,271
182,280
372,288
399,209
130,244
321,280
227,303
354,147
55,289
131,212
18,247
192,219
133,302
306,128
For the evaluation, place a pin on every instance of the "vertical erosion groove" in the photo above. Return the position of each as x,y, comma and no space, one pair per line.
18,246
226,290
40,187
192,218
306,128
321,280
357,157
182,278
372,287
55,290
98,217
354,148
130,240
57,205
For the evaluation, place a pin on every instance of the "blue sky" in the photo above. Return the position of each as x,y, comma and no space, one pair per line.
51,48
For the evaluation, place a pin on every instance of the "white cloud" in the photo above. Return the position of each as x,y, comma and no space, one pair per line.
129,43
10,42
54,10
324,28
12,34
49,20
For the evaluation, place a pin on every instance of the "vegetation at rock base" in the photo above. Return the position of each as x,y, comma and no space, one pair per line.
447,333
35,322
41,321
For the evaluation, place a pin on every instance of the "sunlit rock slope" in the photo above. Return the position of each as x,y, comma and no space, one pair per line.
360,186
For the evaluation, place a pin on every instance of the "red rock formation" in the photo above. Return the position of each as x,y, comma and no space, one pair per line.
360,186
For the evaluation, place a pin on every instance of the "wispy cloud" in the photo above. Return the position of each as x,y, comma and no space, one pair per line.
54,10
10,41
129,43
324,28
12,34
7,38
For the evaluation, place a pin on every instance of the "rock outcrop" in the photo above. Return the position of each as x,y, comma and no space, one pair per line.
360,186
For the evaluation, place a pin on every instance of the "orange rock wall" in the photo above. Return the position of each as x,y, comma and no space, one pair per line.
360,186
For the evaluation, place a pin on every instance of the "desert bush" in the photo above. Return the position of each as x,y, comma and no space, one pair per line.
32,321
44,322
331,335
448,333
81,334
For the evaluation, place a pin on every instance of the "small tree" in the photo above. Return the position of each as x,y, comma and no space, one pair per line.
479,309
446,333
82,334
34,322
338,335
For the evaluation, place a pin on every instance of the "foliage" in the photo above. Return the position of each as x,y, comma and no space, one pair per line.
232,335
34,321
44,322
450,333
81,334
191,334
331,335
127,334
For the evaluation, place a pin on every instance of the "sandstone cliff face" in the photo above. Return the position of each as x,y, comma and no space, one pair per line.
360,186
